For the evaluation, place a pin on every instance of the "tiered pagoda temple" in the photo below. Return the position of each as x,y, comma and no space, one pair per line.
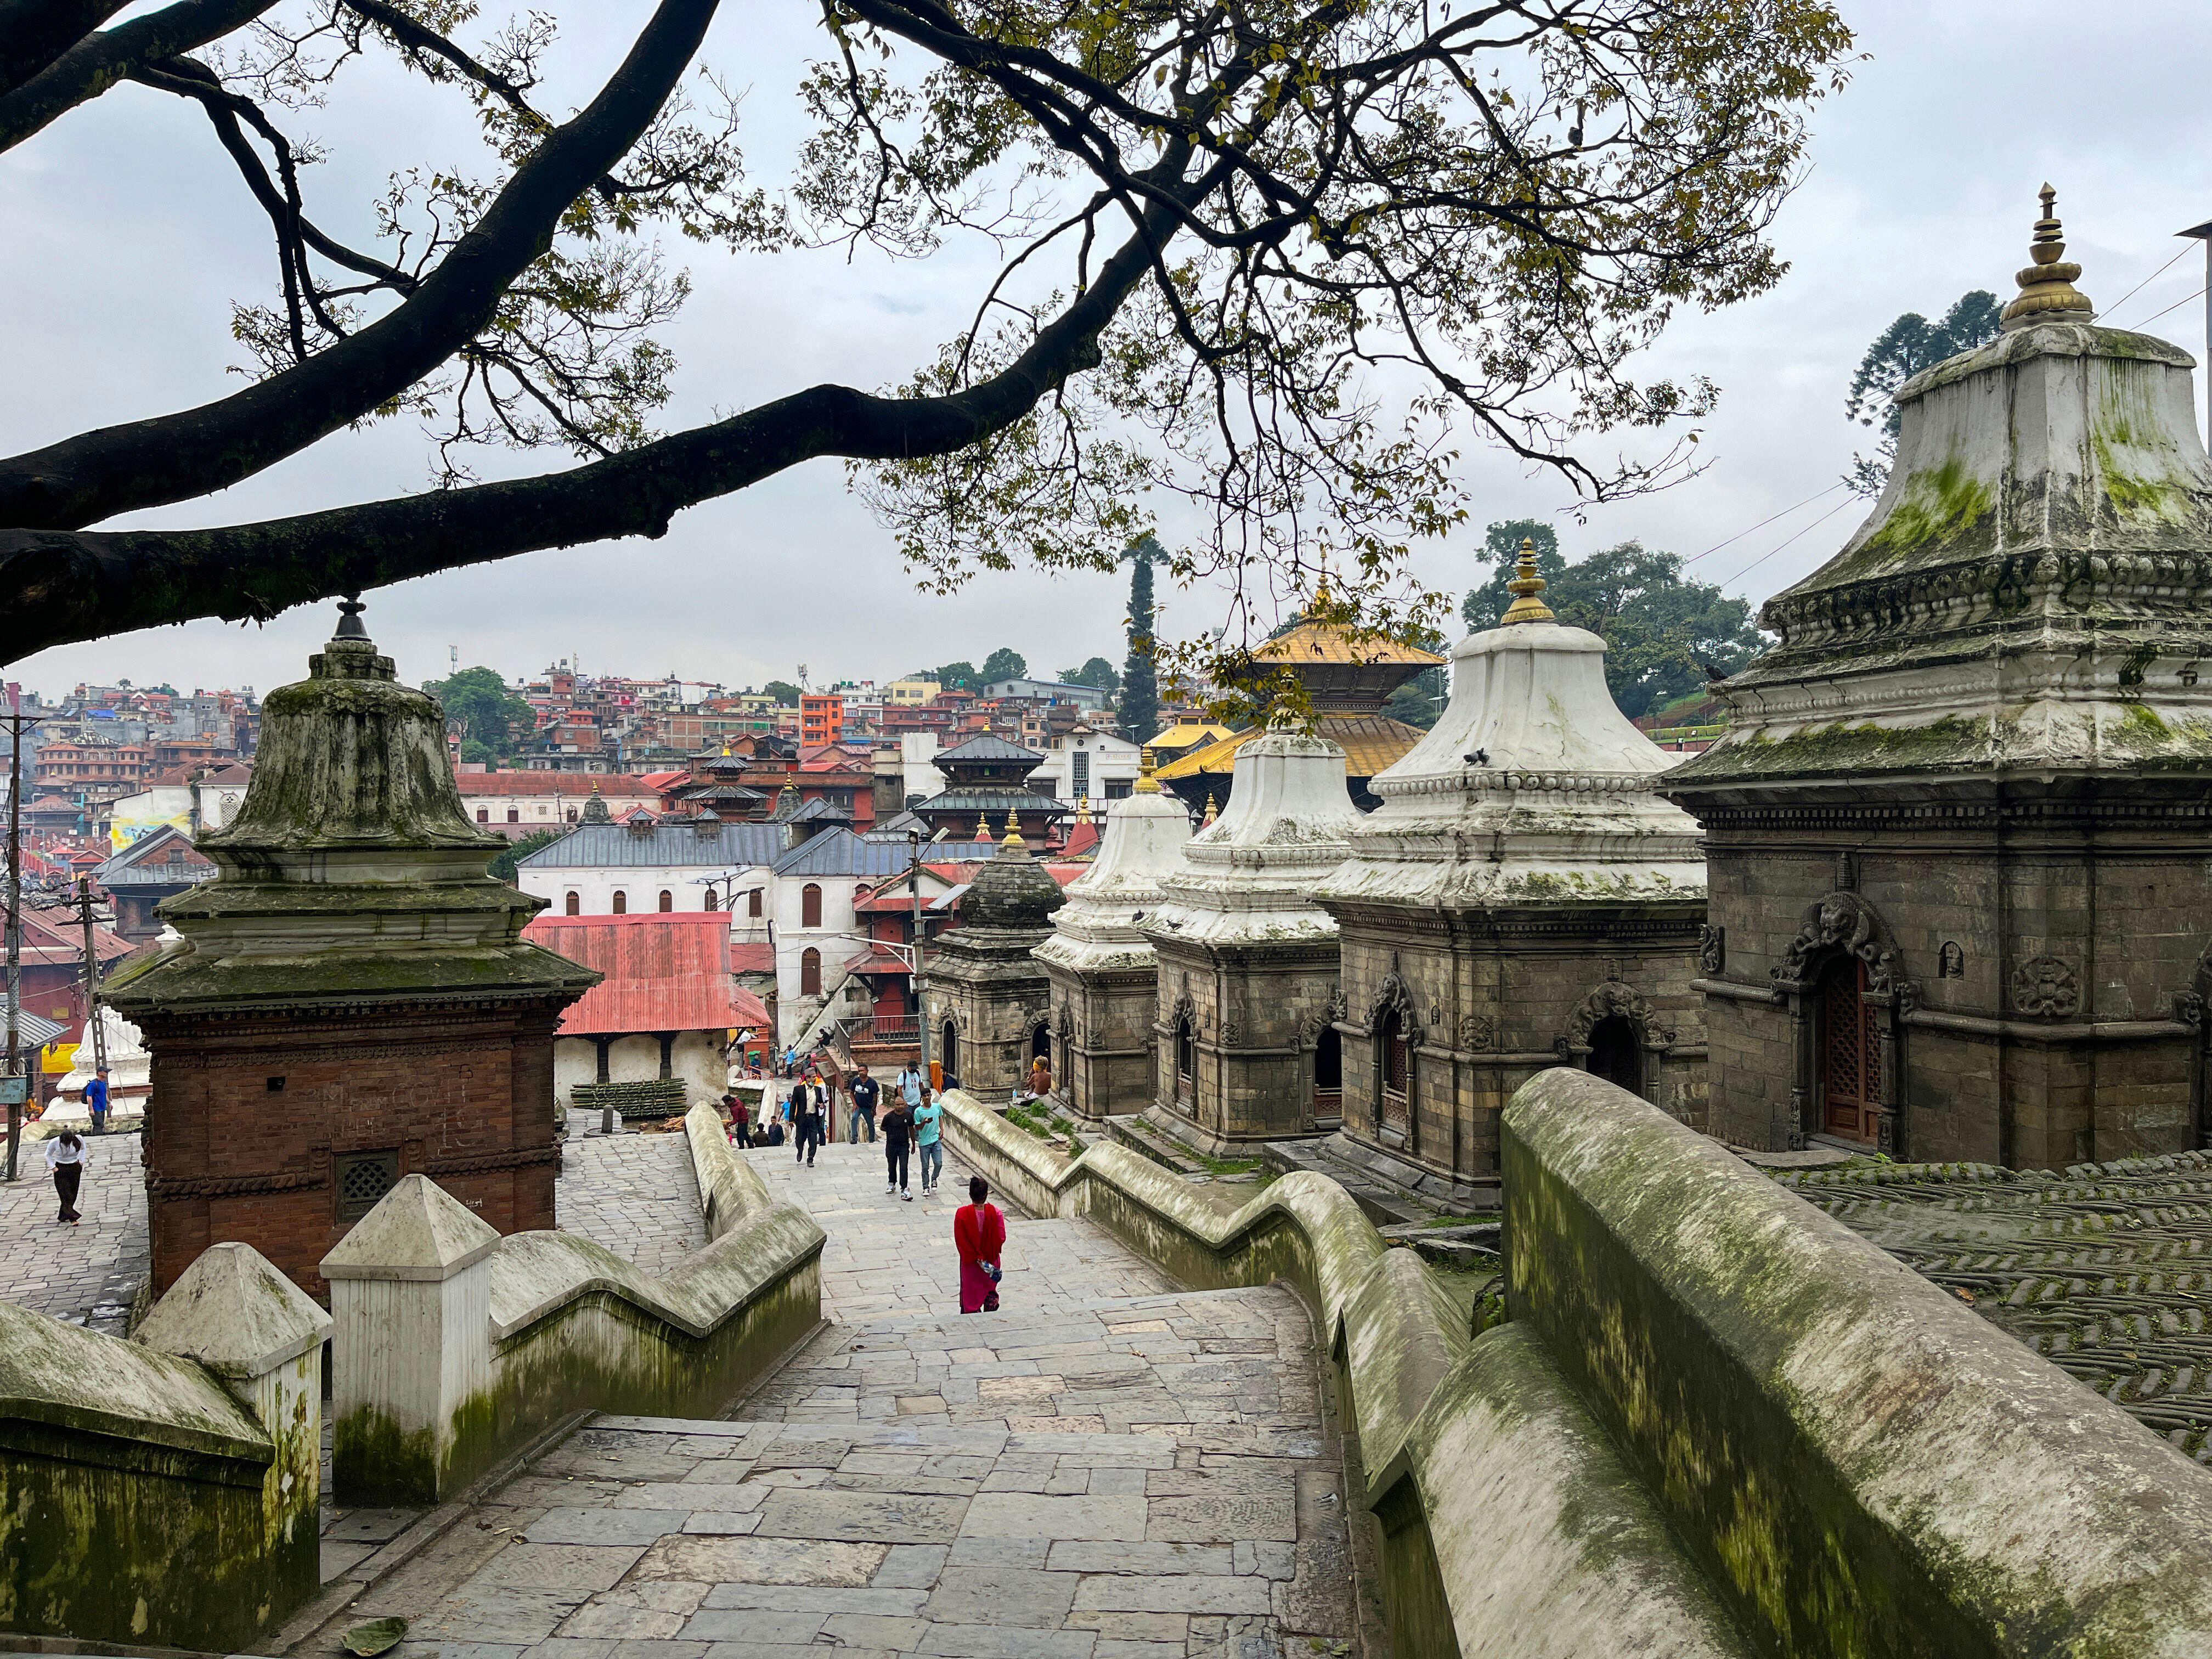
1958,825
986,780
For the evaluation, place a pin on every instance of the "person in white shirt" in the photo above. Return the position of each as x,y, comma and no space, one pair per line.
909,1086
67,1156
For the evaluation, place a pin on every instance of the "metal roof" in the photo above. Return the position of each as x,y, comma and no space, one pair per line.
665,971
839,852
986,748
983,798
672,846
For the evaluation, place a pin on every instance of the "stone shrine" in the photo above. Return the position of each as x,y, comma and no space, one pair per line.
1246,984
350,1000
987,1000
1103,972
1957,825
1522,898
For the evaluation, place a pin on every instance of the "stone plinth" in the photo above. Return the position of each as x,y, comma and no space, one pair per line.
350,1000
984,994
1957,825
1104,974
1522,899
1246,987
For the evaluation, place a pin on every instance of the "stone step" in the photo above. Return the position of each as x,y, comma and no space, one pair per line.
1144,1137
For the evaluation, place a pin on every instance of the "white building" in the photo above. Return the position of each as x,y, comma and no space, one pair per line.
519,804
1088,763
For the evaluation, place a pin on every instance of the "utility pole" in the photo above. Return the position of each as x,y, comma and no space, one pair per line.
914,891
17,1091
91,978
2204,233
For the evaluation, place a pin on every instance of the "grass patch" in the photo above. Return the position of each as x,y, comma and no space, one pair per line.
1045,1125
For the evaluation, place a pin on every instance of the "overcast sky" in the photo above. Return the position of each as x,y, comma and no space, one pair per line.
128,236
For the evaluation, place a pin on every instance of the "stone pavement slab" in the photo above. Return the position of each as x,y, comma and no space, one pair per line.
87,1273
1108,1468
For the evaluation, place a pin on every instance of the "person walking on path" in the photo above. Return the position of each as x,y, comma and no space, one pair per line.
865,1092
897,1126
979,1233
910,1084
67,1156
815,1109
95,1101
794,1112
741,1133
927,1115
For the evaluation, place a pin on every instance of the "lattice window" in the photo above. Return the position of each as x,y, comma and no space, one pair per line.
362,1179
1851,1058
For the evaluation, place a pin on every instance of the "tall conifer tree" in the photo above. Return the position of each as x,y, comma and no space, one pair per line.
1140,695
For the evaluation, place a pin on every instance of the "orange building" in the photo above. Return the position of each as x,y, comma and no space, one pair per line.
820,718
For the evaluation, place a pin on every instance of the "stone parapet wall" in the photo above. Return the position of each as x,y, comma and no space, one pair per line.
164,1493
436,1378
1717,1424
1858,1461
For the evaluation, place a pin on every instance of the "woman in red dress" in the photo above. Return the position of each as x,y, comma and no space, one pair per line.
979,1231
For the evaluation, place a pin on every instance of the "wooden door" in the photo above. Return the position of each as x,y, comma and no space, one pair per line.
1850,1057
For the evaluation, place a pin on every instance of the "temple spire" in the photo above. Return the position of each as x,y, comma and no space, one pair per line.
2047,293
1525,587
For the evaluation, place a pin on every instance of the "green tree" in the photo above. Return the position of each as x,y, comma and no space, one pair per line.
1140,691
1899,352
1662,631
1097,673
475,753
477,700
1217,219
1005,663
505,866
956,677
784,693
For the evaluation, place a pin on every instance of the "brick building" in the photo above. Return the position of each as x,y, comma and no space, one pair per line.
1522,897
1246,996
350,1000
1957,826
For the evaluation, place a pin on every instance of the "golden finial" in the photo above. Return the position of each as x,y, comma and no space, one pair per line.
1525,587
1013,843
2047,293
1211,811
982,827
1146,784
1083,809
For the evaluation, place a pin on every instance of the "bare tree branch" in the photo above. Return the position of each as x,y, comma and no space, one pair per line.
97,63
171,457
33,33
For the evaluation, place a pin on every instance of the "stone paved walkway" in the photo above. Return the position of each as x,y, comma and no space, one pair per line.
635,1193
1105,1469
87,1273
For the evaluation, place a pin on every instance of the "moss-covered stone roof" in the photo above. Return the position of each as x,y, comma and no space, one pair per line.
2104,1269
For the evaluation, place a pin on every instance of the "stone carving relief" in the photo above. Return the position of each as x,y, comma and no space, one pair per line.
1477,1033
1951,961
1232,1030
2188,1009
1712,949
1611,999
2046,987
1842,921
1394,996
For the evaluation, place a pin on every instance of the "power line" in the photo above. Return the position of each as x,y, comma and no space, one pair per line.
1785,541
2176,306
2147,281
1762,524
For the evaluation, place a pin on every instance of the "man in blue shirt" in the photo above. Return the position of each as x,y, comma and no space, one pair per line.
95,1101
927,1118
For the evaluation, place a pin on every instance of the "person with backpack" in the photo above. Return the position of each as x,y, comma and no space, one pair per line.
67,1159
927,1115
979,1233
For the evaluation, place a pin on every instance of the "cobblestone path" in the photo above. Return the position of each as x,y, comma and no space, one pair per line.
635,1194
1106,1469
87,1273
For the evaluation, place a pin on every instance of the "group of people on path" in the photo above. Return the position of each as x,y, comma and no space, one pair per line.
910,1130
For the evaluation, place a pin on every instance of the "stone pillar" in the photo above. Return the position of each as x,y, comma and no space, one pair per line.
410,1369
238,1317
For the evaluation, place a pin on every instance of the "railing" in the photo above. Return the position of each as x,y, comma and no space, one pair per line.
893,1032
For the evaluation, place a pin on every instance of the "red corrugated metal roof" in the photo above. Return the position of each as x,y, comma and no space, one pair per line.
551,783
752,959
665,971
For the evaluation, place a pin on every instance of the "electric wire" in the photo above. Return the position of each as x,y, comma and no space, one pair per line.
1762,524
2147,281
2176,306
1785,541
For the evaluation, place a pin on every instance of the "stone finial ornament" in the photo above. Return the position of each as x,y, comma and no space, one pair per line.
2047,293
1525,587
1146,784
1211,811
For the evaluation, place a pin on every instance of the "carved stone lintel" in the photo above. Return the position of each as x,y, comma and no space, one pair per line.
1608,1000
1842,921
